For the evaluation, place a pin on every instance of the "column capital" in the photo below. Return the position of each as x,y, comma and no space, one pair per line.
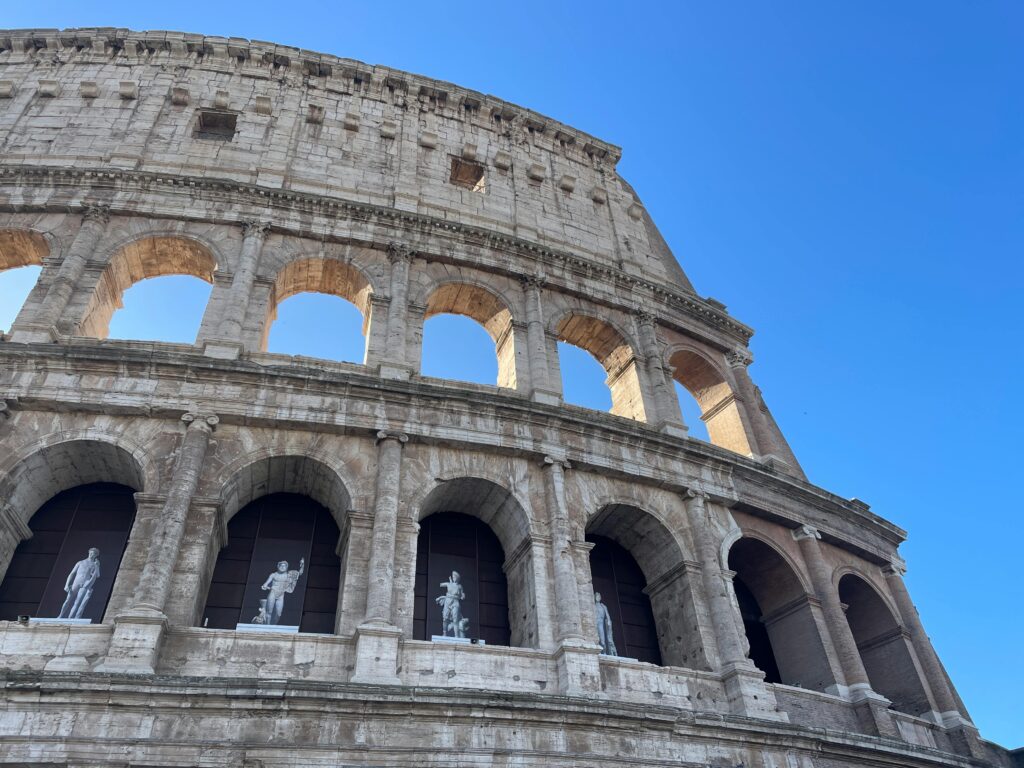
550,461
387,434
533,281
254,228
204,421
805,532
897,567
645,317
740,357
98,213
697,496
399,252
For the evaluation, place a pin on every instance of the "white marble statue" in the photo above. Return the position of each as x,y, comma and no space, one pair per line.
604,627
451,608
79,585
278,583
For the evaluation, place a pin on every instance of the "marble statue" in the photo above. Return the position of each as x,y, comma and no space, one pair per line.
79,585
451,608
604,627
278,583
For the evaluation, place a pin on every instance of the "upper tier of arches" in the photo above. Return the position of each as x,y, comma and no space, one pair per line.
396,290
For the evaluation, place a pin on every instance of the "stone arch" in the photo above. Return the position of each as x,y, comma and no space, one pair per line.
59,463
320,274
487,308
884,645
720,410
499,509
152,255
293,480
616,354
778,611
660,556
22,248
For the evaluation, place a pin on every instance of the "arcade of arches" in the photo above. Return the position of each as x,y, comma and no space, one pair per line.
282,560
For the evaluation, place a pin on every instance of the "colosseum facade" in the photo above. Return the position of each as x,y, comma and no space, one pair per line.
753,618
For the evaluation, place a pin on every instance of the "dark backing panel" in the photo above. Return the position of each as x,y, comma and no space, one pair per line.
451,541
286,516
62,530
621,583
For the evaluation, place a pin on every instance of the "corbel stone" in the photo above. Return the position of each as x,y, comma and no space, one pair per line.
428,140
49,89
128,90
388,129
567,183
599,195
315,114
6,89
536,171
88,89
263,105
469,151
351,121
179,95
502,160
635,211
221,100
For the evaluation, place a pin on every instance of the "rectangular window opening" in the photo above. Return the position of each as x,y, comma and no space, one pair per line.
216,125
467,174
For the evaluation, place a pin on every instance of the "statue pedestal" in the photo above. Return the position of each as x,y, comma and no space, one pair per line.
748,694
579,670
377,654
135,644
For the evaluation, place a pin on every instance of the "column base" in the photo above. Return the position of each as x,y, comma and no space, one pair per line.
748,694
135,644
377,647
962,733
579,670
222,349
34,334
394,372
545,396
872,710
674,430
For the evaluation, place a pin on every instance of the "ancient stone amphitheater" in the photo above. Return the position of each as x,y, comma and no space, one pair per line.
757,620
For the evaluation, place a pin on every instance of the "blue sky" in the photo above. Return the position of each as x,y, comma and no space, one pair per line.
846,177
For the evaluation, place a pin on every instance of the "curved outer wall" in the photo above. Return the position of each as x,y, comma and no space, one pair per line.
336,177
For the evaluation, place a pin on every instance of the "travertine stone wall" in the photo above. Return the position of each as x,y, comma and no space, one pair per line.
337,179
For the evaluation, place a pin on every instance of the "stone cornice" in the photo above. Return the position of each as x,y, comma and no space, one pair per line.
301,69
793,501
105,181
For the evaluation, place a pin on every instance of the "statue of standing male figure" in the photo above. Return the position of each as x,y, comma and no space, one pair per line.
451,607
79,585
604,627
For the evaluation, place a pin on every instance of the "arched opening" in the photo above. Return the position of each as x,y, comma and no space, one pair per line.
21,256
145,259
161,309
66,570
621,587
640,572
479,526
320,308
614,354
884,646
583,379
454,349
780,627
462,552
719,409
279,509
279,570
692,414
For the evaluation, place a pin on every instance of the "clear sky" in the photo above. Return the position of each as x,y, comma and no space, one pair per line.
847,177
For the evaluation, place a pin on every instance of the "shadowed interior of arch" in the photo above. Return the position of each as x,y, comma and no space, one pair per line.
699,381
467,336
16,284
181,307
319,307
607,346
